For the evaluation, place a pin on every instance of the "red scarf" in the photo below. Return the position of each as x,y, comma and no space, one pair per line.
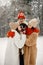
30,30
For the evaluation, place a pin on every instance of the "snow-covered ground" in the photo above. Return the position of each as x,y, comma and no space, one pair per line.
3,46
40,51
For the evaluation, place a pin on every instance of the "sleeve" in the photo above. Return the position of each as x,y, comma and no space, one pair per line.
31,40
20,41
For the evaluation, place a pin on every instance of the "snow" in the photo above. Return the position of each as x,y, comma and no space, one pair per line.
3,46
40,51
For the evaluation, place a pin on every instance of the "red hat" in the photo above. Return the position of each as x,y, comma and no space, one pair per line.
21,15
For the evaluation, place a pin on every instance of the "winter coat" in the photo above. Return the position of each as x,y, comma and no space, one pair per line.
30,49
12,50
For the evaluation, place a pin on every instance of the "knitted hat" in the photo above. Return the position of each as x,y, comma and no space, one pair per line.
33,22
21,15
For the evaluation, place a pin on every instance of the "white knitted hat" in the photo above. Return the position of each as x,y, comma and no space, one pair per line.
33,22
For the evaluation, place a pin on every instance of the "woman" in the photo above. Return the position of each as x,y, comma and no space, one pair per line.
12,51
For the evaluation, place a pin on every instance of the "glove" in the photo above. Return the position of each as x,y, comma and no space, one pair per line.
10,34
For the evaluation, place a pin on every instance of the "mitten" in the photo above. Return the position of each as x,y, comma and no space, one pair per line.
10,34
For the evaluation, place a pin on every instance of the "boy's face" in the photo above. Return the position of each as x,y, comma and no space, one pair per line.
21,21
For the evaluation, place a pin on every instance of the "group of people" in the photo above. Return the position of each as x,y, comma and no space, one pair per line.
21,48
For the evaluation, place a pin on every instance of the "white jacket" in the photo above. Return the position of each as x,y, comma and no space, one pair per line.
12,51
